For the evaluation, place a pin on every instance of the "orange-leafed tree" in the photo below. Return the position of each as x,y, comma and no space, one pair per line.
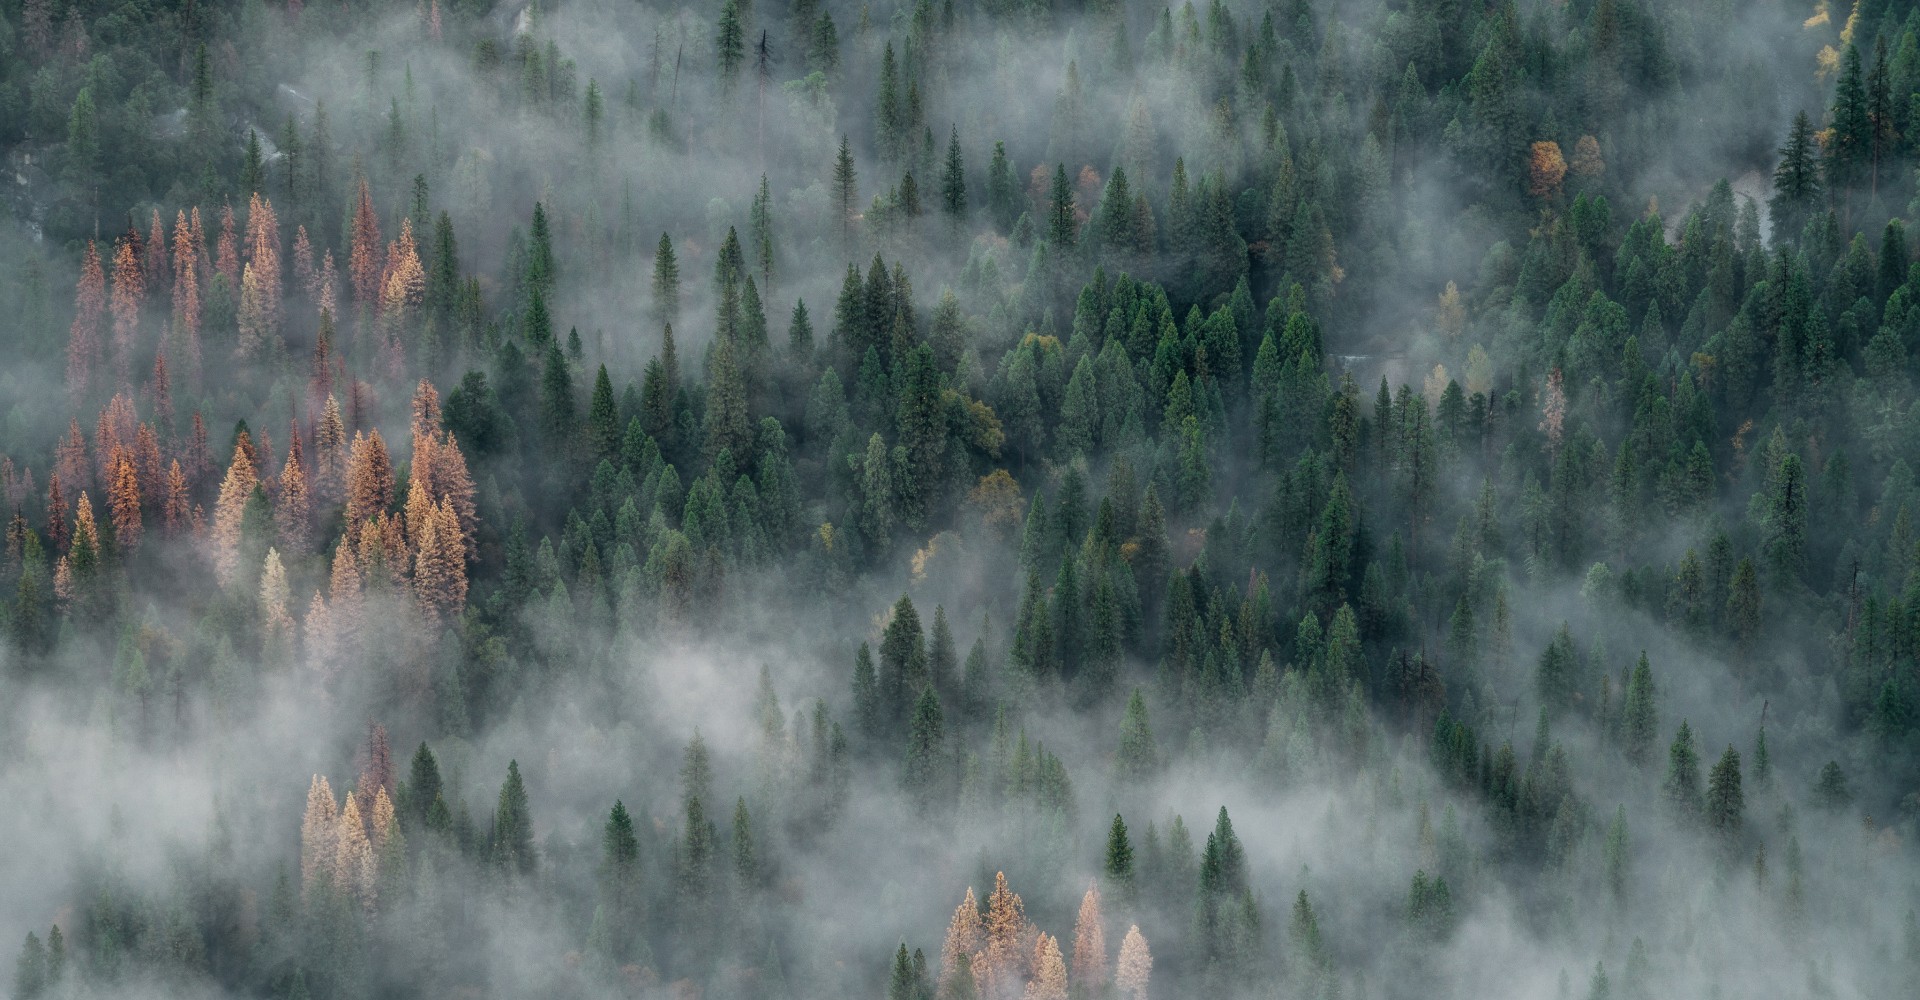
1546,169
147,463
1090,945
440,567
83,337
116,428
176,511
228,513
123,501
129,292
965,936
293,510
369,487
1001,967
186,296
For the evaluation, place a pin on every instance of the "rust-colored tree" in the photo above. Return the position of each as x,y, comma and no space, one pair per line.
965,936
293,509
129,292
1547,168
369,488
176,511
123,501
440,567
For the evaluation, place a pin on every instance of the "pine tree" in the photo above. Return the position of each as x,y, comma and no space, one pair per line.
235,490
1681,787
666,284
1089,972
1134,971
1796,181
1639,723
846,193
1138,758
513,849
953,180
1725,803
729,44
926,766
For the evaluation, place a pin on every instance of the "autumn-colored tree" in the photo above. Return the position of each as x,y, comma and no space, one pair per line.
123,501
153,251
440,566
1049,971
129,292
226,254
1587,163
375,760
176,509
84,550
70,458
345,600
115,429
1135,968
1090,946
293,509
325,293
404,284
354,867
363,261
229,511
452,485
56,513
1546,169
369,487
965,936
83,337
186,295
1000,967
318,837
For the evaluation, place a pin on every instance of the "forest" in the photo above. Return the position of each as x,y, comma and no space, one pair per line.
1029,499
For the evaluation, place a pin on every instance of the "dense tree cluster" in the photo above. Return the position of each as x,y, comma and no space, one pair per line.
1346,407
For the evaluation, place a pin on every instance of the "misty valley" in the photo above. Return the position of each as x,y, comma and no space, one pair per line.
960,499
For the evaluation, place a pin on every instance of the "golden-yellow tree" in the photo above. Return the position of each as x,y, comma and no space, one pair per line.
123,501
177,508
276,624
228,513
1049,971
